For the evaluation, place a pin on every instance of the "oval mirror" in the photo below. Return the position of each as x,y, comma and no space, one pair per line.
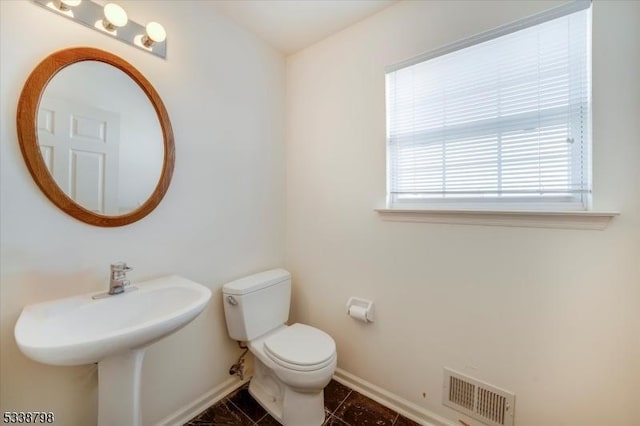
96,137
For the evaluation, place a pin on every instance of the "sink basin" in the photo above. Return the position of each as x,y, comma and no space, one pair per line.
112,331
81,330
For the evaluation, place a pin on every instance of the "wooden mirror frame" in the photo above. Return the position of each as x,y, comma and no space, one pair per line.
28,135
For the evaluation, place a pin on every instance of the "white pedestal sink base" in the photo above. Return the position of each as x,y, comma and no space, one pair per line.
119,389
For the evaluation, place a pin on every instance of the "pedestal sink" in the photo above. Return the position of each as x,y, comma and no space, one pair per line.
112,331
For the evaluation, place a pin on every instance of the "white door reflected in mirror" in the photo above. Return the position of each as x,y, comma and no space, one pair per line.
100,138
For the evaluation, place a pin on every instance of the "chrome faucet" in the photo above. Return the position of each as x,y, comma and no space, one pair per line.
118,280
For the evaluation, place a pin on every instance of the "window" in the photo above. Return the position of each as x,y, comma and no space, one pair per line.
499,121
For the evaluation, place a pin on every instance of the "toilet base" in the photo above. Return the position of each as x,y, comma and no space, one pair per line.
287,405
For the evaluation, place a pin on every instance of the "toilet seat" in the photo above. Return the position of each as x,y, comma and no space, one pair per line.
300,347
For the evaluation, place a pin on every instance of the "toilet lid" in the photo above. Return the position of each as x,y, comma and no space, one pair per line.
302,345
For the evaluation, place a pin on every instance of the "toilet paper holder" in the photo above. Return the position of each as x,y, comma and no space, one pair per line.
360,309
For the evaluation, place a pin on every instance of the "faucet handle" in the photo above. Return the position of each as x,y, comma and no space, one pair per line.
121,267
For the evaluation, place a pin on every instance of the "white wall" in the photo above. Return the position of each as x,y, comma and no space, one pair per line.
552,315
222,218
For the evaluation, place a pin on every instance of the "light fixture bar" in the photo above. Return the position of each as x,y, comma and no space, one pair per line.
91,14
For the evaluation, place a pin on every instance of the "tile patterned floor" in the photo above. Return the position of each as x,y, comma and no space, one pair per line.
343,407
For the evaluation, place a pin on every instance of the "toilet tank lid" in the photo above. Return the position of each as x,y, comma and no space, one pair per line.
256,282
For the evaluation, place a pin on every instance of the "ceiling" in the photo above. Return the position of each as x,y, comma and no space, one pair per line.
291,25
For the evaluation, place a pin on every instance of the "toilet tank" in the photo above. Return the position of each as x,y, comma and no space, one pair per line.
257,304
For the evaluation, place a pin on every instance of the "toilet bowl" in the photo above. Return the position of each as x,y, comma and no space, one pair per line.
292,364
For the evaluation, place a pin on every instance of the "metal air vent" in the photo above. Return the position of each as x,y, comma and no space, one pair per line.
481,401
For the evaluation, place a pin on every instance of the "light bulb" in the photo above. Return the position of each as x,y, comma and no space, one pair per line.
114,16
155,33
66,4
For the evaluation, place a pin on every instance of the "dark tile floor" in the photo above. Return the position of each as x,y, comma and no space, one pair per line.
343,407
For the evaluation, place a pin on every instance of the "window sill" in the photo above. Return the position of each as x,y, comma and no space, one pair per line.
595,220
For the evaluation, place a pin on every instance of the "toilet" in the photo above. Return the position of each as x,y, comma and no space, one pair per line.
292,363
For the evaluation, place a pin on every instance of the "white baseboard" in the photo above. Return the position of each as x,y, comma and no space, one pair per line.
406,408
187,413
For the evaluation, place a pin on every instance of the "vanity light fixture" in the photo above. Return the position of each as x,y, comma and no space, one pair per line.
111,19
114,17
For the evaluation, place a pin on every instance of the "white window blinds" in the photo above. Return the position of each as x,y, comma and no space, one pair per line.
505,119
